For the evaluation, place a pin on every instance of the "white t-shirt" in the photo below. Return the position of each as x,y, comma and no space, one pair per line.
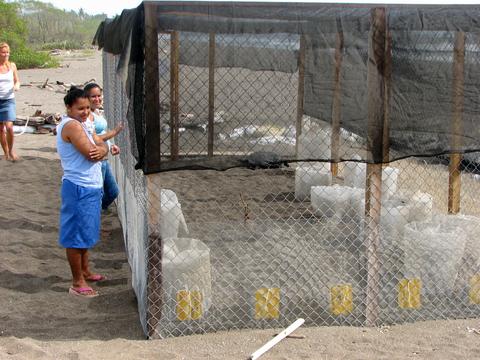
6,86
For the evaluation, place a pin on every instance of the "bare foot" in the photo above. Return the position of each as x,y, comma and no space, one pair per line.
13,157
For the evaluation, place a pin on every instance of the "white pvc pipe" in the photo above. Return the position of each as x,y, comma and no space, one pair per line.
276,339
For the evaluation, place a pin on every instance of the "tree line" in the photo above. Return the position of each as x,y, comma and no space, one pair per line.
29,26
50,27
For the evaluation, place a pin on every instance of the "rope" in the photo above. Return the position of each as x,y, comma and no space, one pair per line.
24,127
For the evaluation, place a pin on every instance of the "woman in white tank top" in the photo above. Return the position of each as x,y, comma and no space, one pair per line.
9,83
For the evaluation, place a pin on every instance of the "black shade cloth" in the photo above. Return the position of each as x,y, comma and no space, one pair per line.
421,104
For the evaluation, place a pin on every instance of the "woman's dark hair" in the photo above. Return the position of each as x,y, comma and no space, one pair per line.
73,94
91,86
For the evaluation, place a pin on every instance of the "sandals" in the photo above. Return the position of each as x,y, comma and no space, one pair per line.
86,292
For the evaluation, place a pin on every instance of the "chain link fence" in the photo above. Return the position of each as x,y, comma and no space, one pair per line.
262,245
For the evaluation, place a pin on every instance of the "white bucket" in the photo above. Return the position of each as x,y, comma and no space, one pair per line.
395,214
308,175
389,181
341,202
422,207
171,215
355,208
470,262
355,174
433,251
186,267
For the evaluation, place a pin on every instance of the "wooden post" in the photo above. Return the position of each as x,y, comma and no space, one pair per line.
174,95
336,115
154,251
152,96
454,181
373,189
301,91
388,94
152,139
211,92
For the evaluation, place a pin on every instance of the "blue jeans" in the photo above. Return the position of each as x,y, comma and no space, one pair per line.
110,187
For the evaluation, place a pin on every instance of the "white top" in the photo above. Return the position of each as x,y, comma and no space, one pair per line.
6,85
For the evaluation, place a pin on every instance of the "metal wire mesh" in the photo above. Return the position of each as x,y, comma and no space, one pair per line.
257,248
253,109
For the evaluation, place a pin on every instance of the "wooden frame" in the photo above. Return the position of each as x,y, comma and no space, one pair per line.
211,93
174,95
375,133
301,92
455,177
336,108
152,119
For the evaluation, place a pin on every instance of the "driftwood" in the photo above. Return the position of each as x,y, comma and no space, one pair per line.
57,86
32,120
43,123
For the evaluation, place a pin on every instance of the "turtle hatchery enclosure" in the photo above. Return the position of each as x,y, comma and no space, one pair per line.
287,161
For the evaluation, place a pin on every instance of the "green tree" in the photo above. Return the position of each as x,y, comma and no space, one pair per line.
49,27
13,30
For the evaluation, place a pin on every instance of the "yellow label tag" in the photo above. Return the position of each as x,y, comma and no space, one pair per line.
409,296
341,299
196,301
189,305
267,303
474,293
183,305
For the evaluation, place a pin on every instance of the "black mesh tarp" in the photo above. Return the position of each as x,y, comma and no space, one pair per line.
426,115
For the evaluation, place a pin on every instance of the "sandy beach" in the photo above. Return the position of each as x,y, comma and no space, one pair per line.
40,320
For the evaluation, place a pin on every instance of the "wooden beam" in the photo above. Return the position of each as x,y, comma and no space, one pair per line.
174,95
152,96
154,253
336,107
454,181
301,91
388,93
152,161
211,93
373,189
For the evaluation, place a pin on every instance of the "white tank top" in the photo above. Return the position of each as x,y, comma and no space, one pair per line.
6,85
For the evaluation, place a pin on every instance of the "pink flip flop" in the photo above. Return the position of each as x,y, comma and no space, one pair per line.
86,292
96,277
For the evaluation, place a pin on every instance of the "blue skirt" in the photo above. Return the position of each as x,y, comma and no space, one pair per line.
7,110
79,216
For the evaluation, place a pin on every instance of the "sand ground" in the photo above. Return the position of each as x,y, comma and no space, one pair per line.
39,320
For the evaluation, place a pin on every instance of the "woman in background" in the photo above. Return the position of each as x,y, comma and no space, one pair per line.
98,124
80,154
9,83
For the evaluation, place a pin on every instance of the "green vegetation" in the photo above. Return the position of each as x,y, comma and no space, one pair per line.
13,30
51,28
26,58
33,28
